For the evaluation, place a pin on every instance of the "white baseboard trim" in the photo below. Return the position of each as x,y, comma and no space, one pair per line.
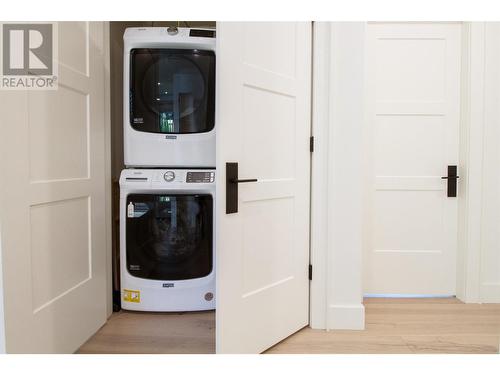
346,317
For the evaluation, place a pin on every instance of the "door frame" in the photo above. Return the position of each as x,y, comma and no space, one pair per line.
319,176
2,318
108,197
324,248
337,118
470,286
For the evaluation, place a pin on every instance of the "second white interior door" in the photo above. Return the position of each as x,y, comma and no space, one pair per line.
413,103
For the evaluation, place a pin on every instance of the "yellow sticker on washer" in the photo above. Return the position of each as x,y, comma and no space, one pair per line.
131,296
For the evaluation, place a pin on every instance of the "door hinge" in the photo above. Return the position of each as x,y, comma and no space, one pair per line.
310,272
311,144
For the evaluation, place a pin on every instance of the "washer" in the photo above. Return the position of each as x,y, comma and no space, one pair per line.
169,97
167,239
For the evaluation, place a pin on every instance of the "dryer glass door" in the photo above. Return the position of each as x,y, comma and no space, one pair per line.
169,237
172,91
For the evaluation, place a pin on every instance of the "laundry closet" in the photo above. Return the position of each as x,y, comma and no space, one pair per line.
165,208
164,243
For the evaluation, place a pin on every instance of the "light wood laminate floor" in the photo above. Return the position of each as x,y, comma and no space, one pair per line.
144,333
392,326
408,326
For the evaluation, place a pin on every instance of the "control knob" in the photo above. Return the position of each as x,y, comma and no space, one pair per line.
169,176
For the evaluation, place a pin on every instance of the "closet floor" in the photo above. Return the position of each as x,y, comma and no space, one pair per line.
129,332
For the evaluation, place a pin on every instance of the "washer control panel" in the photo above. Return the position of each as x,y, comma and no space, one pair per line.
200,177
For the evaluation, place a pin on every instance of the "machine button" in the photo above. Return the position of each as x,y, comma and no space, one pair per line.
172,30
169,176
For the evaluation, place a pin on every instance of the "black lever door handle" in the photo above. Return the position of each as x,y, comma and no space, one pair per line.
232,182
235,181
452,180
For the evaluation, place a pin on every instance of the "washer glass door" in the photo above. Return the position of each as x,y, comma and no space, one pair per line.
169,237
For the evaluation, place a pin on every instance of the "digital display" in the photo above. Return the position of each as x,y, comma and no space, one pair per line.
202,33
200,177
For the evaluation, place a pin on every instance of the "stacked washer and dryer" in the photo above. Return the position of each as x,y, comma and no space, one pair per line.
167,191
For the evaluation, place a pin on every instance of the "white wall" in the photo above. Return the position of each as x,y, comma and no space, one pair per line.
337,184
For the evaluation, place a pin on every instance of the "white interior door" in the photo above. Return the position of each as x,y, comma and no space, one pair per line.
263,123
413,94
52,163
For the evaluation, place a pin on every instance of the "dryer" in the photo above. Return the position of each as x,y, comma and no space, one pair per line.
167,241
169,97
